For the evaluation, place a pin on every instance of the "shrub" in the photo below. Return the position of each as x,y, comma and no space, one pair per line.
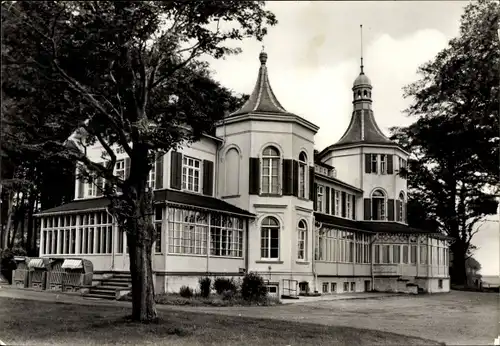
228,295
186,292
253,287
225,284
205,284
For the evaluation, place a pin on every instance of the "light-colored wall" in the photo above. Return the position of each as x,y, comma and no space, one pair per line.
334,268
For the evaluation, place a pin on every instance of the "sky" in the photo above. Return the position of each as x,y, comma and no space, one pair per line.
314,57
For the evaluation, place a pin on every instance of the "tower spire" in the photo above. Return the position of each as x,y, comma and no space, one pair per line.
361,32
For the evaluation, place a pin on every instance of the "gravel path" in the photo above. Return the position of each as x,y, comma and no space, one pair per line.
456,318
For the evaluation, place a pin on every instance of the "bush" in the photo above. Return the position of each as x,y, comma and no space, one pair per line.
225,284
186,292
228,295
205,284
253,287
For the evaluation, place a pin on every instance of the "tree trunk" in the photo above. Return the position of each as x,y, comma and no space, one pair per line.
30,245
9,220
458,271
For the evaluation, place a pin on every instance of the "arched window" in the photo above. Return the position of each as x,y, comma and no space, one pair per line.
271,170
359,94
302,174
269,238
301,241
365,93
401,204
378,205
232,172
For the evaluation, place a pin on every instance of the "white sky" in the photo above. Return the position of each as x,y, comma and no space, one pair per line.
313,59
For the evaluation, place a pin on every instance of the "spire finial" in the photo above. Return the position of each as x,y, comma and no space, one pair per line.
361,29
263,56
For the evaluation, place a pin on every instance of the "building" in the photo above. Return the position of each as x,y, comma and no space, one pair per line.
258,197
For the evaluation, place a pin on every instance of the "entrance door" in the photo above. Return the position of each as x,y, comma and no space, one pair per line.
368,286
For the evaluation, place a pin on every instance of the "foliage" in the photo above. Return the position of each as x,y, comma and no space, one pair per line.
205,286
451,176
186,292
253,287
225,284
228,294
120,75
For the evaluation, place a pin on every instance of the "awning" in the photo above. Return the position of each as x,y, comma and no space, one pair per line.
36,263
72,264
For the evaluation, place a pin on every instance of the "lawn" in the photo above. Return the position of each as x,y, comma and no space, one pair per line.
33,322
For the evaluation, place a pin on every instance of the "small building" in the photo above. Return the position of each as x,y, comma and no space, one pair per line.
255,197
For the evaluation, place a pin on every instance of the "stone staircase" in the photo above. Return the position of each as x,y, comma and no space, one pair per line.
110,286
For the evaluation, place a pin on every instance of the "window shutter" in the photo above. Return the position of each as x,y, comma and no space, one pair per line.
99,185
367,209
332,195
368,163
390,164
176,170
254,176
287,177
127,167
208,177
295,178
159,172
81,183
405,211
353,207
327,194
312,190
315,199
343,201
398,206
390,207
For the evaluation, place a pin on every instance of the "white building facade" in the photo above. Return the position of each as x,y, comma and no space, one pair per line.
257,197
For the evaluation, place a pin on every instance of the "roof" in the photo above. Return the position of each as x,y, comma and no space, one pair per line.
373,227
363,129
362,80
166,195
337,181
262,99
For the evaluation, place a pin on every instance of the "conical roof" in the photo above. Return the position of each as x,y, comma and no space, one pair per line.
262,99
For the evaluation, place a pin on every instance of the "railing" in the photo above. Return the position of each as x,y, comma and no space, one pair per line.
387,269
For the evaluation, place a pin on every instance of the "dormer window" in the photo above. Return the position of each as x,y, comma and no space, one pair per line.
270,170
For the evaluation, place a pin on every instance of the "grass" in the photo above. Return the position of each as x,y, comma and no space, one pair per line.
33,322
213,300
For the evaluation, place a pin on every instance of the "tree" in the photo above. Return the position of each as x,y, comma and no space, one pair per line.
127,74
451,176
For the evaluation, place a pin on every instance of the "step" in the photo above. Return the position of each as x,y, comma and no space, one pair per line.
121,279
122,275
106,292
116,282
99,296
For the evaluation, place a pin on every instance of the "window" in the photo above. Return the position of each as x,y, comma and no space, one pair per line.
346,287
152,178
157,222
333,287
302,174
187,231
374,163
383,164
405,254
396,254
402,163
440,283
301,243
413,254
232,172
401,206
325,287
378,205
319,198
226,235
337,203
423,254
270,170
269,242
377,254
60,234
326,246
348,206
353,286
191,174
120,169
386,250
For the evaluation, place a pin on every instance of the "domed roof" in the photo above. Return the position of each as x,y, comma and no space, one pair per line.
362,80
